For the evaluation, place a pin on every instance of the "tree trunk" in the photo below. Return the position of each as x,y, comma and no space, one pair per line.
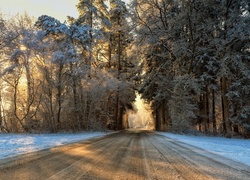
52,116
206,109
157,127
75,97
1,118
16,114
200,118
213,112
87,110
109,53
117,114
81,107
59,96
30,97
91,34
125,121
119,50
159,117
193,42
117,120
162,118
167,117
225,106
3,123
76,108
121,112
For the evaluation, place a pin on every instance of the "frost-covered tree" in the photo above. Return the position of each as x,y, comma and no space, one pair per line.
67,45
66,42
222,48
118,41
183,108
232,46
211,50
95,14
20,74
152,25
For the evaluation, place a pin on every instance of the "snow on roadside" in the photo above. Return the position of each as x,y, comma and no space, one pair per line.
15,144
235,149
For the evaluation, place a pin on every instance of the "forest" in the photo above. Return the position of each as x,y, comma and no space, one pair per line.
189,59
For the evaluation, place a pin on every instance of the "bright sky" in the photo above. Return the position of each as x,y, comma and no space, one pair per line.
58,9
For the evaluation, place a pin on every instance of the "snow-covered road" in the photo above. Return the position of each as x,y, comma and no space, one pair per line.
126,155
15,144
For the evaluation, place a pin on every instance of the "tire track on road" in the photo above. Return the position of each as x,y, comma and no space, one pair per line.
93,157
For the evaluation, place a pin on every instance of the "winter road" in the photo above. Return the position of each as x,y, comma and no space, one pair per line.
125,155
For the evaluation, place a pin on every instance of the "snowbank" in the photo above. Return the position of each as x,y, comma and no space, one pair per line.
235,149
15,144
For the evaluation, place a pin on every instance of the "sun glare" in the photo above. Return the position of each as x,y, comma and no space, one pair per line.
23,48
142,117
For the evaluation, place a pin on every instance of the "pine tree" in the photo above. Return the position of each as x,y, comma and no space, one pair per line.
207,50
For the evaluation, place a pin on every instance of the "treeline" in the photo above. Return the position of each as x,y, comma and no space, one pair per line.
196,58
189,58
66,76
